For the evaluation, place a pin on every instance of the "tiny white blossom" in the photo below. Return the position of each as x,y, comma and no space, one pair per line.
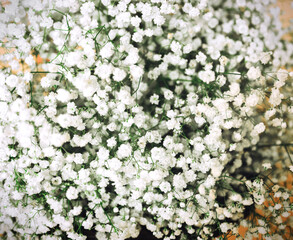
124,151
154,99
119,74
267,165
107,51
176,47
259,128
253,73
72,193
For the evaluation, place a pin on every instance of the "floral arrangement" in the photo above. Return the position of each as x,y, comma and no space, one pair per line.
170,115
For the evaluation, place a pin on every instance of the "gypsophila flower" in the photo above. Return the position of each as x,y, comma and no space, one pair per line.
118,74
259,128
154,99
72,193
164,115
124,151
168,95
267,166
253,73
107,51
111,142
265,57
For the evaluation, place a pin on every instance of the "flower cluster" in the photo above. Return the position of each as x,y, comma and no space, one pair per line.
120,114
271,218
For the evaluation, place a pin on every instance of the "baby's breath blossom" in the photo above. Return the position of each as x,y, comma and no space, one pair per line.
253,73
259,128
267,165
107,50
124,151
120,114
276,97
72,193
154,99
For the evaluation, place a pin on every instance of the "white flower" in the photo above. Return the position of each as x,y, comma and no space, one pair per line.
124,151
153,137
247,201
285,195
276,122
190,176
173,124
83,176
119,74
63,95
259,128
114,164
176,47
56,181
236,197
58,139
71,108
262,230
29,60
276,97
201,57
194,12
103,154
217,169
253,73
55,205
258,198
210,181
278,206
179,182
270,113
225,227
111,142
135,21
252,100
156,175
159,20
125,98
136,72
111,117
154,99
88,223
137,36
223,60
107,51
168,94
77,158
207,76
265,57
285,214
267,165
102,108
282,75
81,141
46,82
72,193
104,71
165,187
112,127
132,57
3,110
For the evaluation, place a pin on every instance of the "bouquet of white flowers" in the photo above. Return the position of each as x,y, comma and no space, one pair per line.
168,115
